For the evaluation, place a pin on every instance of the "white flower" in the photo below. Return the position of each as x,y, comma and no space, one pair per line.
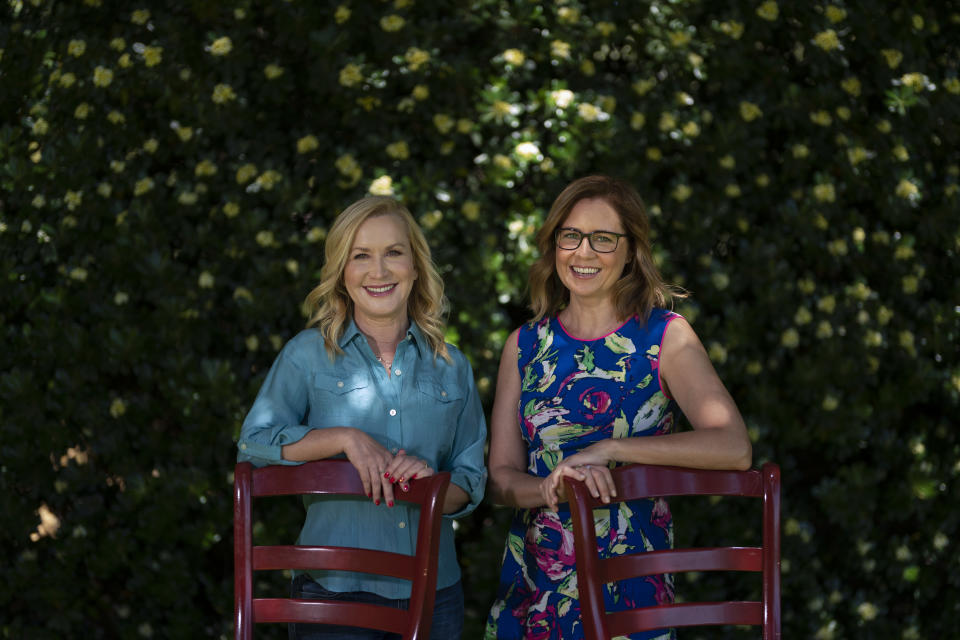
562,98
382,186
527,151
221,46
514,57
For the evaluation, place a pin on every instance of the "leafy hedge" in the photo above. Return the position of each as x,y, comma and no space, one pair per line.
169,168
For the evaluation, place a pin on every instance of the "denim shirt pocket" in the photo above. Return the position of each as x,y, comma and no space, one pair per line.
441,404
439,392
339,397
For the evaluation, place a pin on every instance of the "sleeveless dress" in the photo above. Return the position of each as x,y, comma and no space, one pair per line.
573,394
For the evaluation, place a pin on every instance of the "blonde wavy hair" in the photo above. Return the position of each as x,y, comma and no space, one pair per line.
639,289
329,306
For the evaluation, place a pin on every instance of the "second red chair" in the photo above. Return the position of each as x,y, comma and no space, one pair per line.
646,481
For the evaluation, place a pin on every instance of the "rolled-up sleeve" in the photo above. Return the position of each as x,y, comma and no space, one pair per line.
466,466
276,417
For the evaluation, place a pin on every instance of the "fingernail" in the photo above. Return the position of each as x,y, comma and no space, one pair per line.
390,503
386,474
369,495
400,479
392,479
413,477
376,502
406,487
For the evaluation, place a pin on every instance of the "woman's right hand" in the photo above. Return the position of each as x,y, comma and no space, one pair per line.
591,465
371,459
598,479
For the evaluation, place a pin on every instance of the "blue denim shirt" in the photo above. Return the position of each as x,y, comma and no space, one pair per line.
428,407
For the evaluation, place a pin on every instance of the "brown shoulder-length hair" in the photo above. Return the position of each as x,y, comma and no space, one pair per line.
640,288
329,306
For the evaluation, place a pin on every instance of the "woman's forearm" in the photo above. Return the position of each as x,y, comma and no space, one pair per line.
700,448
455,500
512,488
316,445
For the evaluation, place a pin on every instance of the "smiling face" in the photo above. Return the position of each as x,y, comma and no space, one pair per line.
587,274
379,272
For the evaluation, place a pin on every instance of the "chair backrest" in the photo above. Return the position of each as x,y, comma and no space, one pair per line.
646,481
329,477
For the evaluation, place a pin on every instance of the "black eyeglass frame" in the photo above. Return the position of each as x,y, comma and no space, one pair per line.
589,237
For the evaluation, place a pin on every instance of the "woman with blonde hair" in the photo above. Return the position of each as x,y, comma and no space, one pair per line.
373,380
594,380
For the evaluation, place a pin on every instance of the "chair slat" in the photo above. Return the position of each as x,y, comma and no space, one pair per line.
685,615
332,477
680,560
397,565
330,612
655,482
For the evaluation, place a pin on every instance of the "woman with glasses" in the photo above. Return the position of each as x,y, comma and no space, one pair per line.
373,380
594,380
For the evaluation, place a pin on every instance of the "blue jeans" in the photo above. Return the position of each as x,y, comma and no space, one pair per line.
447,613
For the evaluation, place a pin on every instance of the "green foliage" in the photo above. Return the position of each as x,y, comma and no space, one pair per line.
168,170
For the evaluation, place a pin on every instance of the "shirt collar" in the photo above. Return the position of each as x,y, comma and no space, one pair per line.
413,332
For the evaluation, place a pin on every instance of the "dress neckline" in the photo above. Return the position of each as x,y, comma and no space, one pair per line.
578,339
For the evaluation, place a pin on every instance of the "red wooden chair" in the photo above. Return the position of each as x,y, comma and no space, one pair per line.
643,481
333,477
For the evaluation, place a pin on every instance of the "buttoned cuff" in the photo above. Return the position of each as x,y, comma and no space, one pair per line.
467,482
261,454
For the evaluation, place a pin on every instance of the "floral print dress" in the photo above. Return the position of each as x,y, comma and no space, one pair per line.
574,393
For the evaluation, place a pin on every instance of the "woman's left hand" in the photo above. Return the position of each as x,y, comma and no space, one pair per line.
404,468
589,466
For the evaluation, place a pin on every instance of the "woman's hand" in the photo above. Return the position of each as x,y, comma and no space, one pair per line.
589,466
371,460
404,468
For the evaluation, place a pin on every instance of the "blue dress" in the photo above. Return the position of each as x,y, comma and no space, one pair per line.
574,393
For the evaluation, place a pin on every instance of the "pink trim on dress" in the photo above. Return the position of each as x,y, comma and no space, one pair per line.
672,317
573,337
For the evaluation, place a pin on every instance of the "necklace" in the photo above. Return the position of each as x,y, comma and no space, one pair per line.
375,348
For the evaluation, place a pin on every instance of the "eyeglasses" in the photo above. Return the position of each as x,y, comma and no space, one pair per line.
600,241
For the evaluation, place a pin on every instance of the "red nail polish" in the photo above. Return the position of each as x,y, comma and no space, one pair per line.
406,487
390,503
376,502
369,495
413,477
392,479
386,474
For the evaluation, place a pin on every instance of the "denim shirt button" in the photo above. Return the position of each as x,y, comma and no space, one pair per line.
402,525
393,412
